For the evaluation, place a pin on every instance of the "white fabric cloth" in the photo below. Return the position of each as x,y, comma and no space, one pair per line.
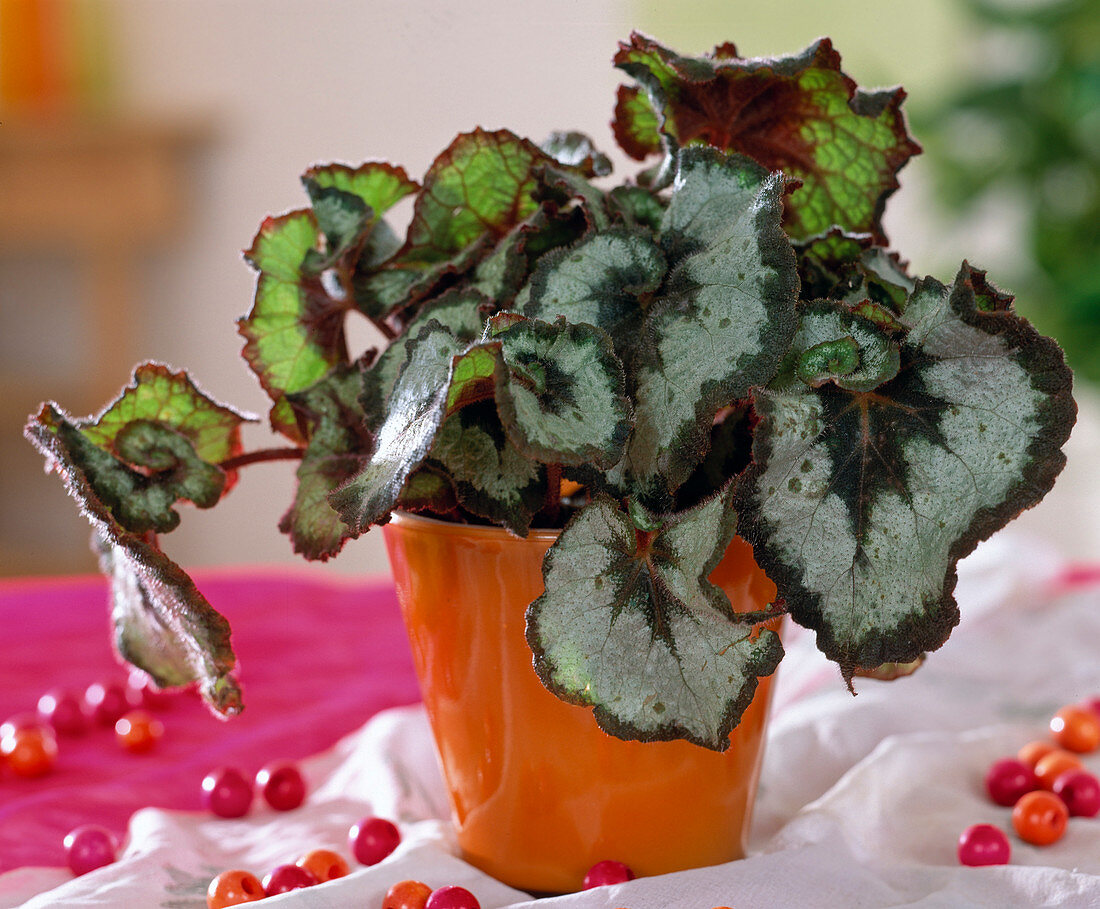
861,802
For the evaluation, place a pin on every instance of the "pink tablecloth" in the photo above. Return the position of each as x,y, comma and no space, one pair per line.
318,657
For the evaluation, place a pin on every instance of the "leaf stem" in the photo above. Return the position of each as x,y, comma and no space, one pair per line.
552,505
263,454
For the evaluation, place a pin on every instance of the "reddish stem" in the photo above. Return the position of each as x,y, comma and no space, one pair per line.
552,505
263,454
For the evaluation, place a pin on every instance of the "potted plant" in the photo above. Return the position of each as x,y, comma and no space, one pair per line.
621,377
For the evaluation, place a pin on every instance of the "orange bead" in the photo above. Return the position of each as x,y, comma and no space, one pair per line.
138,731
1040,818
1076,729
407,895
30,751
231,888
324,864
1053,765
1033,751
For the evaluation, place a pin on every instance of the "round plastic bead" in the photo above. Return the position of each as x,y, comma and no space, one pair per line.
324,864
407,895
105,702
64,711
1080,790
983,844
89,847
231,888
372,839
227,792
1035,751
1053,765
1040,818
1076,729
19,721
452,897
1092,704
288,877
1008,779
281,786
30,751
139,731
607,872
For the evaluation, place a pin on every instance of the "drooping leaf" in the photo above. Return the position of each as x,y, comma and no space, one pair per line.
724,317
294,333
417,406
163,624
561,393
577,151
491,477
860,503
429,489
798,114
630,625
337,448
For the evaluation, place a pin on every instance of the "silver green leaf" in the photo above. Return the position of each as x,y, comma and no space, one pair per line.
860,503
561,393
724,318
630,625
833,344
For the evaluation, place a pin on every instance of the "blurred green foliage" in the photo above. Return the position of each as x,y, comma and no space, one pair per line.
1028,125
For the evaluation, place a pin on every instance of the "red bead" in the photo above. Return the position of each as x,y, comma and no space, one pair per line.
1008,779
89,847
30,752
231,888
324,864
105,702
372,839
64,711
139,731
607,872
227,792
1076,729
407,895
1040,818
288,877
983,844
24,720
452,897
1080,790
282,786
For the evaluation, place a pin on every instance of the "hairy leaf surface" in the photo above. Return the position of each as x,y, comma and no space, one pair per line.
630,625
861,502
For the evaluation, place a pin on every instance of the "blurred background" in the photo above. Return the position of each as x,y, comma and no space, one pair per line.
143,141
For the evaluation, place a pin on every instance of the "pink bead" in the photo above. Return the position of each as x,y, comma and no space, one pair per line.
452,897
89,847
287,877
24,720
106,702
227,792
281,785
1008,779
607,872
1080,790
63,710
372,839
983,844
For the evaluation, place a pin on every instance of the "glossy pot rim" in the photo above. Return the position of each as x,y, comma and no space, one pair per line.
438,526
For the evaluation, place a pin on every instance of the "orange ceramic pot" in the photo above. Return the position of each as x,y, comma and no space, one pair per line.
538,792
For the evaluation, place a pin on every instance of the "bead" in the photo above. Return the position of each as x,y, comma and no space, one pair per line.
30,752
231,888
281,785
1076,729
1035,751
19,721
1053,765
983,844
607,872
372,839
89,847
1080,790
324,864
227,792
452,897
139,731
1040,818
105,702
1008,779
64,711
407,895
1092,704
288,877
